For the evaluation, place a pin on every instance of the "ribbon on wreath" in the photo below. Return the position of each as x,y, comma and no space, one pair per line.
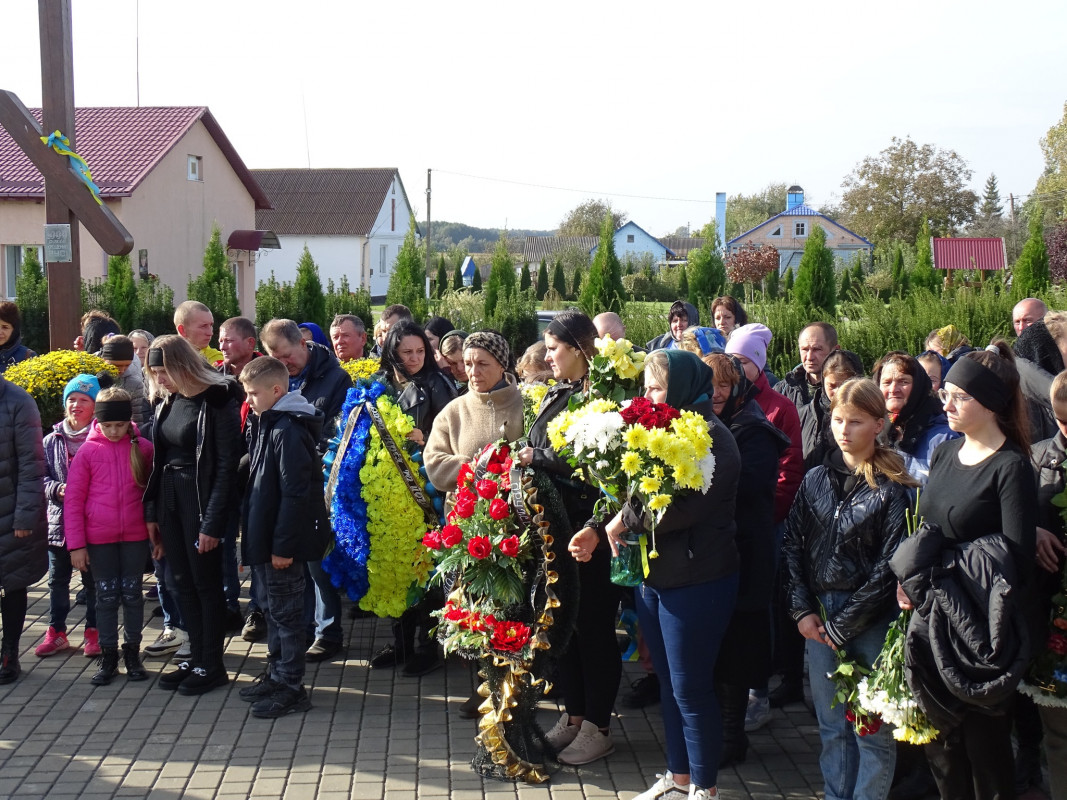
61,144
401,466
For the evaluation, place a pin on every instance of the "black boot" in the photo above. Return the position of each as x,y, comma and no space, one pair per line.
109,667
402,649
733,702
9,664
131,657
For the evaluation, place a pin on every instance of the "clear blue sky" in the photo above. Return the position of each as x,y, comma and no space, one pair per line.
673,100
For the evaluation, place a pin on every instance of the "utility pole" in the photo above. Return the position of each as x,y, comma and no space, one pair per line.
1011,202
428,231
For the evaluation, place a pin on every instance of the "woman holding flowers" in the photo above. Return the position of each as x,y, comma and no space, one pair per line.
688,594
408,367
981,486
589,669
845,524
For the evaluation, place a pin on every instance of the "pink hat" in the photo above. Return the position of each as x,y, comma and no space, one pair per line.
750,341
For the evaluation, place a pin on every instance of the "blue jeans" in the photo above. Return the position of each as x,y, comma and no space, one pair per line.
327,605
60,571
168,596
683,628
281,595
854,767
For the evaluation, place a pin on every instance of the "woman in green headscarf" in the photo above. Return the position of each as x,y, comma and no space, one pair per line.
690,587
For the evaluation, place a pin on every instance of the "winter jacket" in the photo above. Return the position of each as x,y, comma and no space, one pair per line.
815,430
696,537
218,448
22,503
57,460
103,503
760,445
283,511
14,352
325,388
1050,460
795,386
782,414
967,643
132,380
425,396
841,539
667,340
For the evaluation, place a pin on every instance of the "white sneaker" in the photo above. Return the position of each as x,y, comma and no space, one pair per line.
168,642
589,745
185,651
665,789
758,713
562,733
702,794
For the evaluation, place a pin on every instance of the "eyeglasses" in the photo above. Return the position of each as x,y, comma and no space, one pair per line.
956,398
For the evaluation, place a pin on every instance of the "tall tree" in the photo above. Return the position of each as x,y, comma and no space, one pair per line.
888,196
899,273
586,218
924,275
407,284
442,277
216,286
501,276
559,280
603,289
542,280
846,285
122,292
525,281
706,270
1031,272
576,283
476,284
307,291
457,277
31,291
991,205
1050,195
816,284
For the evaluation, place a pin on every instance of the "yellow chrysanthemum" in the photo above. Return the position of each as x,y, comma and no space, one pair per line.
658,502
631,463
636,437
657,471
659,444
650,485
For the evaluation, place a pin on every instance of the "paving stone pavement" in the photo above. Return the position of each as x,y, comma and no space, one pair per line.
371,735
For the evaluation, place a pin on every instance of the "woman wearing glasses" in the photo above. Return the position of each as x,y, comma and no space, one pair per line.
981,487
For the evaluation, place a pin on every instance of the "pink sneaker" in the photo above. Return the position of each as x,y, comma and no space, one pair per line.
91,645
54,641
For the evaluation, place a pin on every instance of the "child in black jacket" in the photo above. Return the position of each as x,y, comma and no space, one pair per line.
285,525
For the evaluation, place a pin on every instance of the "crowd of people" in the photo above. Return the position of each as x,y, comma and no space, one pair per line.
800,548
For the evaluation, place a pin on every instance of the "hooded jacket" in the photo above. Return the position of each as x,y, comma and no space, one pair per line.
14,351
795,386
284,512
667,340
839,537
103,504
325,388
967,643
218,451
22,503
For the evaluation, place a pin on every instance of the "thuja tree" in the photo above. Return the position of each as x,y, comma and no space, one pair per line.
542,280
816,287
31,292
407,284
342,300
603,289
1031,272
559,280
216,286
924,275
307,291
501,284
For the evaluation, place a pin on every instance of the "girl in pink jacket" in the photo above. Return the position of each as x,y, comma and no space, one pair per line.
105,527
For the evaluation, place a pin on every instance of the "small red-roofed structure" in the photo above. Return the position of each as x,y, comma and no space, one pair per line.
969,253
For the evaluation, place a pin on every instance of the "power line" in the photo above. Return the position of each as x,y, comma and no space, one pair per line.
569,189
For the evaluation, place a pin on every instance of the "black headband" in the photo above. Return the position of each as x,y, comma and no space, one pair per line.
155,357
117,351
559,329
114,411
981,383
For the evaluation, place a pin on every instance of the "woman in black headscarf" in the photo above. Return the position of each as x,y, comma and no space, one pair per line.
408,367
745,657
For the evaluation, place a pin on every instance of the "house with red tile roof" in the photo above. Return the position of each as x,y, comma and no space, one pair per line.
353,222
167,173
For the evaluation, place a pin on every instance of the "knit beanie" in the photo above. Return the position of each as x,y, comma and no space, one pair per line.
85,384
750,341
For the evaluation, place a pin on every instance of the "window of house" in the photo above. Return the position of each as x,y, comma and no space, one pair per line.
800,229
776,233
629,238
196,169
11,262
381,260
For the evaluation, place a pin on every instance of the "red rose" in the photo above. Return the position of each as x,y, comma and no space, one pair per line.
454,613
432,540
451,535
510,546
466,476
487,489
494,468
498,509
501,454
479,546
464,507
1057,643
466,494
510,636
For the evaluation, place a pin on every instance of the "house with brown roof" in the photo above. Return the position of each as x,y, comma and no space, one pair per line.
167,173
353,222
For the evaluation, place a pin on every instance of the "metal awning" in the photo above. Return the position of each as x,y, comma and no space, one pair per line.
253,240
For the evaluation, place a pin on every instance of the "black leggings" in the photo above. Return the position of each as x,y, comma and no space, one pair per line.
590,667
13,617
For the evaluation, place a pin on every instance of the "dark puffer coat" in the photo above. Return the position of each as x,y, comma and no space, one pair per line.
325,388
844,545
967,641
795,386
22,502
284,512
424,396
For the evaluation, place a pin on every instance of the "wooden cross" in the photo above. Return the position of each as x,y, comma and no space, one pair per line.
67,199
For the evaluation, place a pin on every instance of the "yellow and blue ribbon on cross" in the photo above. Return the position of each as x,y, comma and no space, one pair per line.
61,144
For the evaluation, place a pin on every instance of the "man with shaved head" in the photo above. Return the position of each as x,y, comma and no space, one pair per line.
1026,312
609,324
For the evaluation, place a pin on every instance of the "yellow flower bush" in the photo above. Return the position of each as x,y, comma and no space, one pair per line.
45,377
398,565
